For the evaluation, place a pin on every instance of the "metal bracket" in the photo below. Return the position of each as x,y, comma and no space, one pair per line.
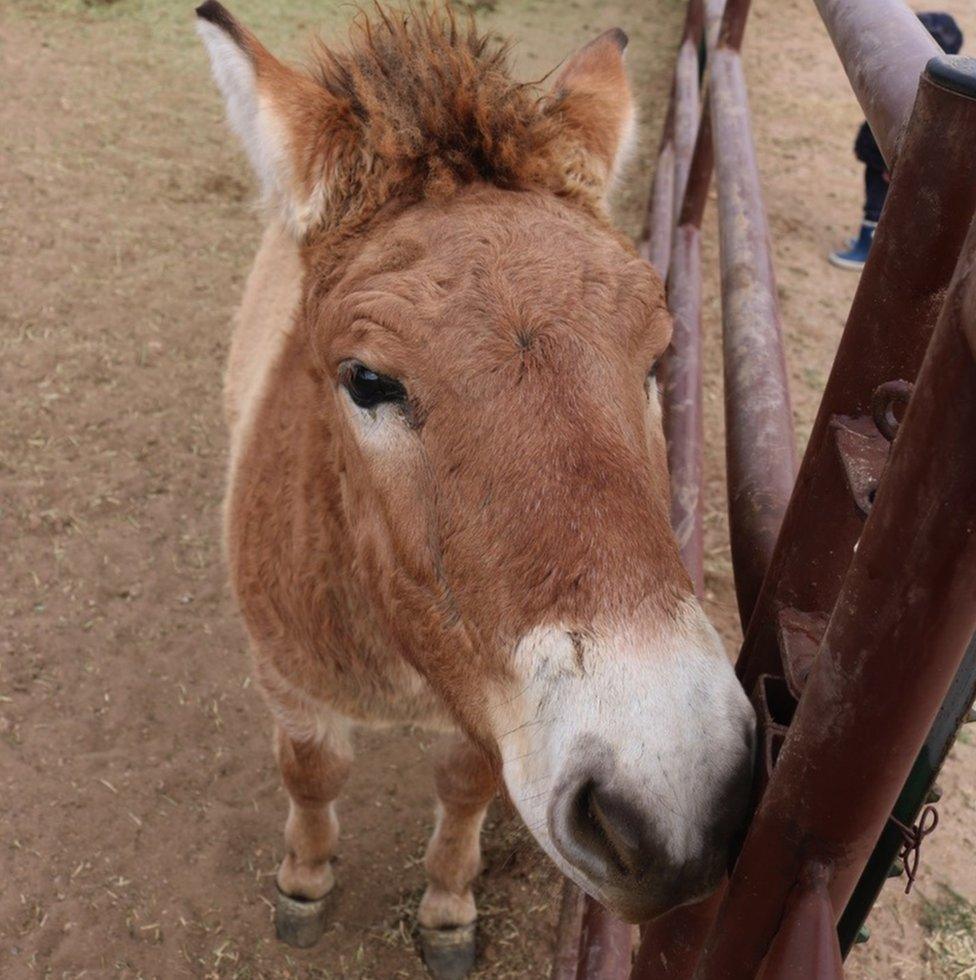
799,634
863,441
863,451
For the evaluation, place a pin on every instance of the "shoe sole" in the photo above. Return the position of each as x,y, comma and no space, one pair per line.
841,263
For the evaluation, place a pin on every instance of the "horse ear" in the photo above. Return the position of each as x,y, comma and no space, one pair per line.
593,98
284,119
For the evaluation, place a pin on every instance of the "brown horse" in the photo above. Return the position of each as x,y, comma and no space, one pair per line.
448,492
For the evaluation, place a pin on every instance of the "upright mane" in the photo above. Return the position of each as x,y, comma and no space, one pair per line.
418,104
436,108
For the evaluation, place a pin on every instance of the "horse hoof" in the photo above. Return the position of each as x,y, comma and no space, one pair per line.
448,953
299,921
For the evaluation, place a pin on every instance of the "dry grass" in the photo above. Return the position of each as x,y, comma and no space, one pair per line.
950,925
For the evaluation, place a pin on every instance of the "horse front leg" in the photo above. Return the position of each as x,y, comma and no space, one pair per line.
465,785
314,770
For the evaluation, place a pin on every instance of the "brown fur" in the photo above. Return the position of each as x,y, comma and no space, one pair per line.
432,107
458,243
322,541
419,105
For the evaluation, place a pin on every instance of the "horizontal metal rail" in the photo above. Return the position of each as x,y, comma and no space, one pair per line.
591,943
670,945
677,144
655,245
760,451
565,963
687,98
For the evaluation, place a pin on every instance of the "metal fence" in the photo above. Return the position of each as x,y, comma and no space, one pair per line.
856,574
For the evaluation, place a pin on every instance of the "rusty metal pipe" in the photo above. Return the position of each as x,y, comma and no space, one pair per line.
565,963
668,941
806,946
655,245
699,172
591,943
889,326
760,452
687,99
681,368
726,23
900,628
606,944
681,376
672,943
883,48
677,145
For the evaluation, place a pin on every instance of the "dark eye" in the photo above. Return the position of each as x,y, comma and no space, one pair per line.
369,389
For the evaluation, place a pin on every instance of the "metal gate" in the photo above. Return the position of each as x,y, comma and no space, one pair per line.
856,574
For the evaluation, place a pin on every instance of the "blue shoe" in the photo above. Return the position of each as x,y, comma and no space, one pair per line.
856,254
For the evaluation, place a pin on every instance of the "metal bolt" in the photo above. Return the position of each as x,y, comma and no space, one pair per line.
896,870
863,935
935,794
970,717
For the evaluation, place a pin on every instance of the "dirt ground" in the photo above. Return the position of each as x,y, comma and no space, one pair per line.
140,811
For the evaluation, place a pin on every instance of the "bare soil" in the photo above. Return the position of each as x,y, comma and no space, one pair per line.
140,810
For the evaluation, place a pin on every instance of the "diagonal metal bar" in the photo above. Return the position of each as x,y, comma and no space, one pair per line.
899,631
884,49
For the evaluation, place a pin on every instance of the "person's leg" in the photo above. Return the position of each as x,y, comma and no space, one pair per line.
875,192
856,253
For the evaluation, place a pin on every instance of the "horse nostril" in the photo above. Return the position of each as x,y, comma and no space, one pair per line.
638,859
616,827
595,830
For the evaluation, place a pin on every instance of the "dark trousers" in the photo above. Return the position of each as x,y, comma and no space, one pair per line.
875,192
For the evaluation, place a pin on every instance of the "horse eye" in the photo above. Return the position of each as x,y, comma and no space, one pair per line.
369,389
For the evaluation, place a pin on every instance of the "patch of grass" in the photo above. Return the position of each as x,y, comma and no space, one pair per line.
814,378
950,921
476,6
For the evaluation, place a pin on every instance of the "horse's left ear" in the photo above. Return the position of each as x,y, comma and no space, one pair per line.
593,99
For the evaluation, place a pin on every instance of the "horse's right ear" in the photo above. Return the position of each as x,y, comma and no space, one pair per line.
289,125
